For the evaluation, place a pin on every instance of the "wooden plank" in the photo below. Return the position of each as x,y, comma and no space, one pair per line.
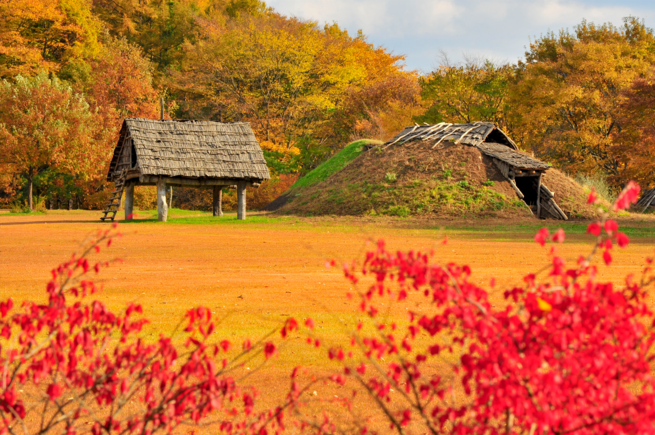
151,180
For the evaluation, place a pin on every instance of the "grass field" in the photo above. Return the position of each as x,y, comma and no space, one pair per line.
253,274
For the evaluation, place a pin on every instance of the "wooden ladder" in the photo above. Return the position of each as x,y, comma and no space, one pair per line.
115,200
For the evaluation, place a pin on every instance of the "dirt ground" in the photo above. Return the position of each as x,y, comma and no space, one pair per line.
255,274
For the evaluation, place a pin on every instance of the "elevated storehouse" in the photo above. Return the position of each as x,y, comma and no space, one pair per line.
522,171
188,154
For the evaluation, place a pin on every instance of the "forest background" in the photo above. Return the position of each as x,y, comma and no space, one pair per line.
582,100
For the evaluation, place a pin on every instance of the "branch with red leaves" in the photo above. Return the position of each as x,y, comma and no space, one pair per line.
72,366
567,353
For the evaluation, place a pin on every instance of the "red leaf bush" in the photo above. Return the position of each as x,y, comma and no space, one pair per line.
566,353
73,366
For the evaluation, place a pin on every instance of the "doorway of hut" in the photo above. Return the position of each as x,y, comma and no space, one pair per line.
529,188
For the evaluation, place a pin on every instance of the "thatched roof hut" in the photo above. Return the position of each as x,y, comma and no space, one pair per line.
524,172
185,153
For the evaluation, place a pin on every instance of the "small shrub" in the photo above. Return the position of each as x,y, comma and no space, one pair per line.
597,182
464,184
447,173
390,177
398,210
488,183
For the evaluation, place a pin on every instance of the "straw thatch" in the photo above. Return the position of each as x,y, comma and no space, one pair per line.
511,157
189,149
468,134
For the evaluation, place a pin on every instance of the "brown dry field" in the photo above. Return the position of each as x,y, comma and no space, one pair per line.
255,274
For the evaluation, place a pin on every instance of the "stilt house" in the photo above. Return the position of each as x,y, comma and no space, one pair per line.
646,201
522,171
184,153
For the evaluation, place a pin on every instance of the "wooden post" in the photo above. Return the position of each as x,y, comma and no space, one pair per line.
129,201
539,196
241,196
218,200
162,207
170,197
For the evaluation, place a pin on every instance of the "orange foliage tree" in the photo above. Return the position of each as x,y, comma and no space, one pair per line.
41,34
634,144
568,94
45,125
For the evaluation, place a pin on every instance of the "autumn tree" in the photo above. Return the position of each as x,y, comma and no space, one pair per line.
634,143
568,96
290,79
44,124
474,91
159,27
42,34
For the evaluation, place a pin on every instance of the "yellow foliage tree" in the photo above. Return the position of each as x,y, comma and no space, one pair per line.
41,34
567,99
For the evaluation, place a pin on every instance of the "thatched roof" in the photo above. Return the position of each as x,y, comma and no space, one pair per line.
197,149
467,134
485,136
511,157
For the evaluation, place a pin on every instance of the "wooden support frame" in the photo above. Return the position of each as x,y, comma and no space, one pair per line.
241,204
162,207
539,196
218,201
129,201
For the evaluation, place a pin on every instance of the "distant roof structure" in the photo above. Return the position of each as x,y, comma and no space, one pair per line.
468,134
523,171
184,153
191,149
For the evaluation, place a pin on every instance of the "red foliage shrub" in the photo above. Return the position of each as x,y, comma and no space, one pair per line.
567,354
72,366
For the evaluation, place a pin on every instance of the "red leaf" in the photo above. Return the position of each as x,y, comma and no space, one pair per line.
558,236
594,229
542,236
622,240
611,226
607,257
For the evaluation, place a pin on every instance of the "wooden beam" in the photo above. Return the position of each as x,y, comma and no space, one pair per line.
162,207
197,182
129,201
241,196
218,201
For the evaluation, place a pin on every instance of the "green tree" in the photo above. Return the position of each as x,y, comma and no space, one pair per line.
467,93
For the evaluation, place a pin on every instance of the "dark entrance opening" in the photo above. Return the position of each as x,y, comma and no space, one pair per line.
528,187
133,156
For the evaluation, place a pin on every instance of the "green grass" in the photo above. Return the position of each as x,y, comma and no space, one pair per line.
334,164
571,228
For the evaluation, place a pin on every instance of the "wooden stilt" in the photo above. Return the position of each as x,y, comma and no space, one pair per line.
218,200
162,207
129,201
539,197
241,196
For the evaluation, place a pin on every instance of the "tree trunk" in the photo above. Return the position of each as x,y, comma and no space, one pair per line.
30,183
